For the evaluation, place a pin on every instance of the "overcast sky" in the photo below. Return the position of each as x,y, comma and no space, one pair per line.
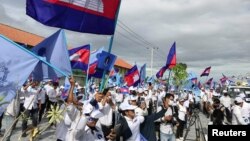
207,33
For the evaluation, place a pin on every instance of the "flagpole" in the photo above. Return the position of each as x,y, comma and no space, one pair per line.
168,79
110,45
87,76
38,57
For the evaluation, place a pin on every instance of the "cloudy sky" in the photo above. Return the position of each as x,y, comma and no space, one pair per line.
207,32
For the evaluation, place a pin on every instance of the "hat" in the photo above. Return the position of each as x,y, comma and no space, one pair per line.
126,106
80,95
131,88
88,108
140,90
238,100
242,95
96,114
224,91
133,97
182,99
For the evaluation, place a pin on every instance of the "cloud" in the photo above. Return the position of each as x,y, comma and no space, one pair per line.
207,32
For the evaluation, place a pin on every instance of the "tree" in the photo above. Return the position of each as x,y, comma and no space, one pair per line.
180,74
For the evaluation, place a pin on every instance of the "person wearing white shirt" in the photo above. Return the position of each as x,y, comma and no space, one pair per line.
166,126
42,95
245,110
53,94
130,123
31,104
182,112
237,118
82,123
107,109
225,100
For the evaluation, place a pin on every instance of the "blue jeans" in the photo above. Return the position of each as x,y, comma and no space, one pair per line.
167,137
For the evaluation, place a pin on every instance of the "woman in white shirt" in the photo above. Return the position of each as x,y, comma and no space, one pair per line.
182,112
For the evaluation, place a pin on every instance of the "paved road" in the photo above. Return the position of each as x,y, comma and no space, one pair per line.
49,134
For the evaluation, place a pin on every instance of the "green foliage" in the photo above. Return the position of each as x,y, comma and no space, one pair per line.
180,74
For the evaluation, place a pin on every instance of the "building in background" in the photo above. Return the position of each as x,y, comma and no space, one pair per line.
29,40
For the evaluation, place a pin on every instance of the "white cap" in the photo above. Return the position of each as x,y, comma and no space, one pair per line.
238,100
131,88
80,95
62,87
133,97
96,114
242,95
88,108
140,90
224,91
126,106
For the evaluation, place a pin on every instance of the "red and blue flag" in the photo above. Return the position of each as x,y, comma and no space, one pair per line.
88,16
209,82
79,57
124,90
171,61
132,77
206,71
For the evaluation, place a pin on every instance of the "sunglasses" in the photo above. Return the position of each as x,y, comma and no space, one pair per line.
92,119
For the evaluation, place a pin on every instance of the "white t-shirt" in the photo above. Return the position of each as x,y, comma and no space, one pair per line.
134,125
182,111
107,118
225,101
167,128
31,98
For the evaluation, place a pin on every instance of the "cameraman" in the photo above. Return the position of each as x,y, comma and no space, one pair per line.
167,126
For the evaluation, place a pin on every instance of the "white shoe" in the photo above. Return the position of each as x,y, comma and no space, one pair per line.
181,138
177,139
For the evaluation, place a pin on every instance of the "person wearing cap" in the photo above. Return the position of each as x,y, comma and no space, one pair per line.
130,123
82,123
226,101
237,118
108,107
245,110
141,108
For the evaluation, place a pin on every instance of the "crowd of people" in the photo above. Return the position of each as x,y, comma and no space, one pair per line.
148,113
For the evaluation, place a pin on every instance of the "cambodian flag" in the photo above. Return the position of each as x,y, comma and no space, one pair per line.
206,71
79,57
132,77
93,63
124,90
171,61
88,16
223,79
209,82
161,72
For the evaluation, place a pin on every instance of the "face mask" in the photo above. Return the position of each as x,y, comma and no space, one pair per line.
171,102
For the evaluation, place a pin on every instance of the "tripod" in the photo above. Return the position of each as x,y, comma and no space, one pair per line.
195,120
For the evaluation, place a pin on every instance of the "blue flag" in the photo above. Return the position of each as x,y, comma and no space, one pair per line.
16,66
54,50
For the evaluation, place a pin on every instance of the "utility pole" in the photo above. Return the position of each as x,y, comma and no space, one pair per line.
152,58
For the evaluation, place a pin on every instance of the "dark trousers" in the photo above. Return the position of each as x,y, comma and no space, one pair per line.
106,130
1,118
180,128
34,116
41,111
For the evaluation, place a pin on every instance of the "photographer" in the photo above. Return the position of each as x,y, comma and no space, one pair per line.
166,126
